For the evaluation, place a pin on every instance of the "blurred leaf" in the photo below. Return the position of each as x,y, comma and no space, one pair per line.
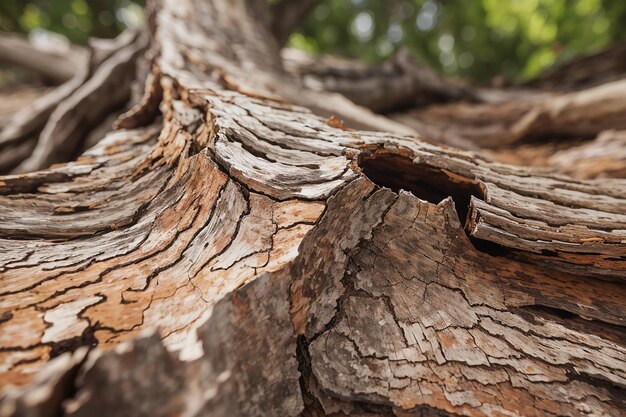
517,39
476,39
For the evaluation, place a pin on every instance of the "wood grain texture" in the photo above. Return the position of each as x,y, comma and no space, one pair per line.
230,250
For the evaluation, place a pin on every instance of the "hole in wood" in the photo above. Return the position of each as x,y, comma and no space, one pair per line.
428,183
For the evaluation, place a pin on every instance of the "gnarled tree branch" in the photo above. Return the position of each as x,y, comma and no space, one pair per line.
296,267
55,66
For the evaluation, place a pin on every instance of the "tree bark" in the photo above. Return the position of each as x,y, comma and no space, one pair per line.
287,15
56,66
230,249
399,83
521,124
53,128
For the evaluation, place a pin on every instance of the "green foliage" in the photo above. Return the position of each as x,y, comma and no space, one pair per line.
476,39
76,19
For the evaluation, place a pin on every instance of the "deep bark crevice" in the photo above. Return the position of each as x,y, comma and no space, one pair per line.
398,172
574,321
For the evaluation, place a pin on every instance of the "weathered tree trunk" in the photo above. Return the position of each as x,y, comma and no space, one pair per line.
291,264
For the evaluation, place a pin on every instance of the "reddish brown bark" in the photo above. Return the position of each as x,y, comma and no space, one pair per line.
230,249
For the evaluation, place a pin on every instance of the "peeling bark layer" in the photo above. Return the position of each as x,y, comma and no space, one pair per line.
294,266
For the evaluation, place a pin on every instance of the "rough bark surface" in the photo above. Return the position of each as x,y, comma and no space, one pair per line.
229,250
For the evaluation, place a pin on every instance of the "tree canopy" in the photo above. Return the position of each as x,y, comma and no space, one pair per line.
475,39
478,39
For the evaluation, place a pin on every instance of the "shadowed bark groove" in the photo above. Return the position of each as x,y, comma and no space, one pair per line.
293,266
